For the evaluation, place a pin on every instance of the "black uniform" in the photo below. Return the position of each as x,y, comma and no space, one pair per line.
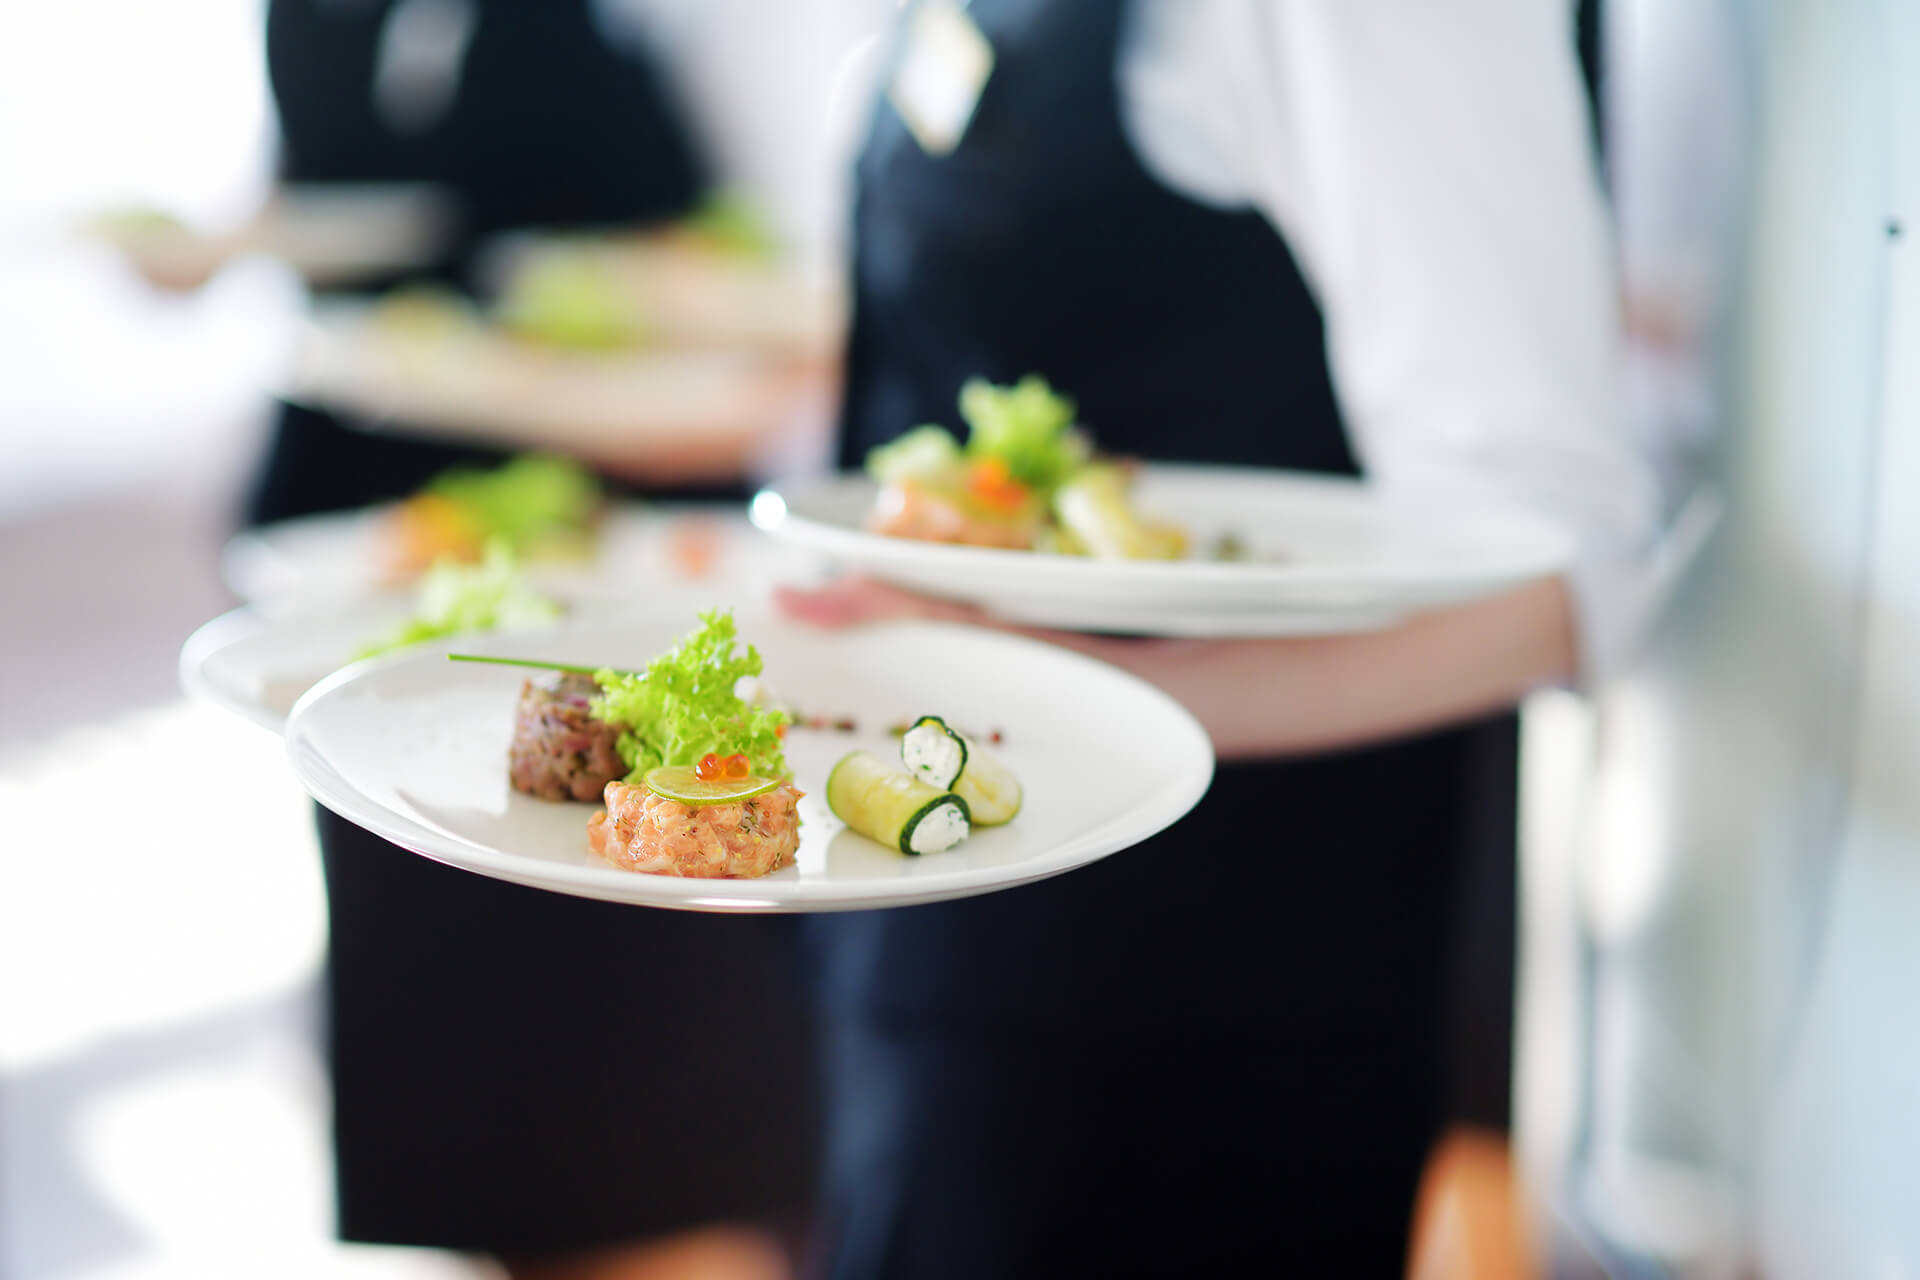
516,1071
1237,1041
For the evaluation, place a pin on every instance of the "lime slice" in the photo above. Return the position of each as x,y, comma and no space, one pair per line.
679,782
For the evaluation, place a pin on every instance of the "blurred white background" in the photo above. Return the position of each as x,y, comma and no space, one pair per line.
162,919
161,1101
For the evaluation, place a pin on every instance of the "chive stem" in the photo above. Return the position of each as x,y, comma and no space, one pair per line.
528,662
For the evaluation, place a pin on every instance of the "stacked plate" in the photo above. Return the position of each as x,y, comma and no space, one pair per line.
316,596
331,234
414,747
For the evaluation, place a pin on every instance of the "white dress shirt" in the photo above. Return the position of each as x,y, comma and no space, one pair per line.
1431,170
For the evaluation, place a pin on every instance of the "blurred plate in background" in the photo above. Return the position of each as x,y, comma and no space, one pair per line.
257,664
682,293
330,234
472,381
639,548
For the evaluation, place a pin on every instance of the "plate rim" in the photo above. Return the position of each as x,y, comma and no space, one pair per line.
212,637
771,510
249,556
247,622
329,788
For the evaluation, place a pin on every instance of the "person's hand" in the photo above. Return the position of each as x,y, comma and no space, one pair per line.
850,601
167,254
175,273
853,600
1288,695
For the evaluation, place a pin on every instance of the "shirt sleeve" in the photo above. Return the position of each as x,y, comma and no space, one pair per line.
1432,169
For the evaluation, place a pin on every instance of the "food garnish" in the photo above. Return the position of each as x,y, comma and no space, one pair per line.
691,787
712,768
540,505
922,451
529,501
728,223
1026,479
1020,434
683,706
1028,427
570,300
455,597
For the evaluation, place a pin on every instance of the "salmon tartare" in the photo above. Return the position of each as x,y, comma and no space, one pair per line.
642,831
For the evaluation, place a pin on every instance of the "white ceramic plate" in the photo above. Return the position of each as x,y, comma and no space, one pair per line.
474,382
330,233
685,296
257,667
1319,545
257,664
1193,622
338,554
414,749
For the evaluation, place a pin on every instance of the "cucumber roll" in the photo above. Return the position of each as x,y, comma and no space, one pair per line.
1096,509
943,757
894,808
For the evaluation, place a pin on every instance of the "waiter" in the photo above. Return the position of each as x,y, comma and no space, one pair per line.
1354,237
496,1054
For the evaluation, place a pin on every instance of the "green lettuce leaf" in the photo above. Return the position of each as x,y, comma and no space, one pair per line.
684,706
526,500
922,451
568,299
1028,426
458,597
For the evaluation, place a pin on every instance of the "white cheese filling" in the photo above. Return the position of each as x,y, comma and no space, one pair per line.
931,755
940,830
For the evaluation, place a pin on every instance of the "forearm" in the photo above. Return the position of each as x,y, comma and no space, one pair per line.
1298,694
1294,695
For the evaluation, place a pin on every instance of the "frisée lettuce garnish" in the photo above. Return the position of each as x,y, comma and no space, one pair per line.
683,706
568,299
922,451
525,501
455,597
1026,429
1028,426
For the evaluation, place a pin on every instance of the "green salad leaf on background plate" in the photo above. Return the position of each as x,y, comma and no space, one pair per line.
455,597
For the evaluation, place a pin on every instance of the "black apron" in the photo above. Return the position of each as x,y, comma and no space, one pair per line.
1239,1039
550,128
514,1071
